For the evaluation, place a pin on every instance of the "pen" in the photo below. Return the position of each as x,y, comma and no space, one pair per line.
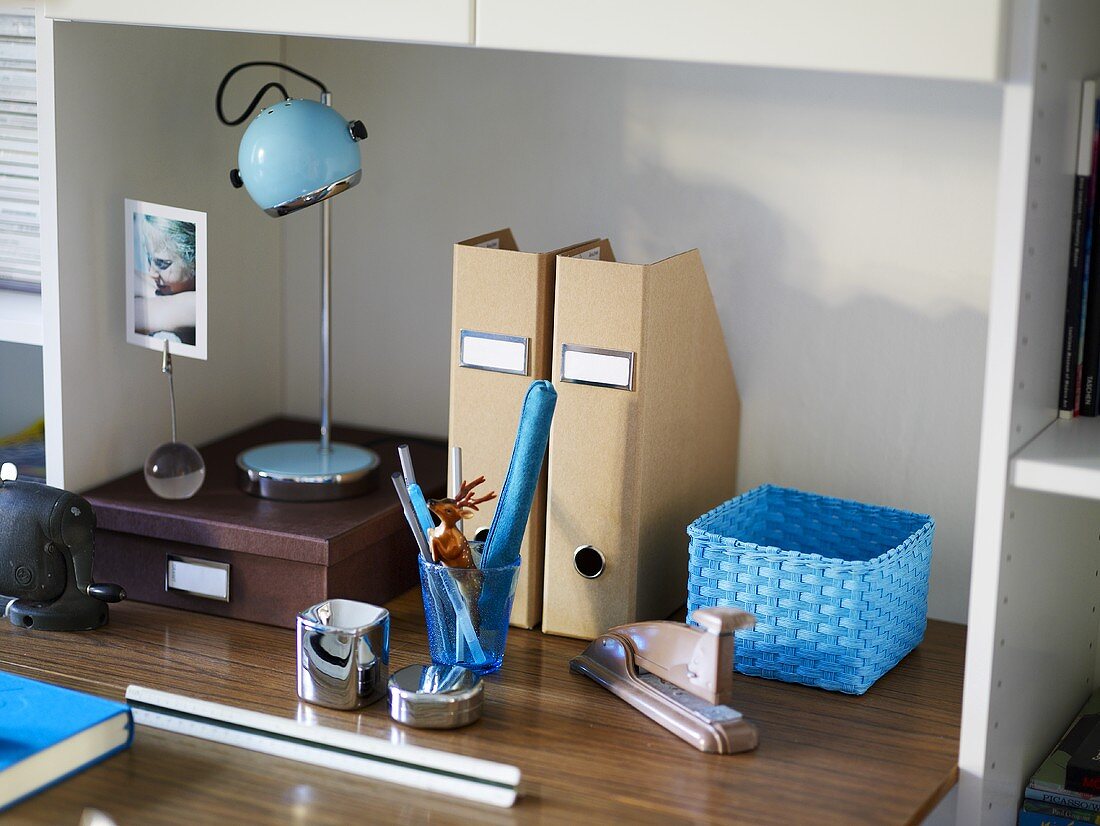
420,508
410,516
406,464
456,477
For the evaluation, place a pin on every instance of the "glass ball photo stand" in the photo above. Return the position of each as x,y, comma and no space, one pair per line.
303,472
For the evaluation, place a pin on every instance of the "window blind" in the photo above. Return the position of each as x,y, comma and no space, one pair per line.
20,256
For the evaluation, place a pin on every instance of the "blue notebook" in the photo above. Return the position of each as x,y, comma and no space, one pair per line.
48,733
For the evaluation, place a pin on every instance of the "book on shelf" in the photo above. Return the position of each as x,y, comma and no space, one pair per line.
1048,784
1068,395
1083,766
1091,254
48,733
1027,818
1089,380
1068,814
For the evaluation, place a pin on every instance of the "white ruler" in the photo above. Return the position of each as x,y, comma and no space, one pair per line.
470,778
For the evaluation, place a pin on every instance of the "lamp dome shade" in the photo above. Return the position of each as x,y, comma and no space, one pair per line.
295,154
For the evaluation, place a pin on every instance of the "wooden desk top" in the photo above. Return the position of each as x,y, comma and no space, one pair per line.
886,757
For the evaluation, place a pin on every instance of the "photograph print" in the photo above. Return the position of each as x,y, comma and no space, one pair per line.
166,288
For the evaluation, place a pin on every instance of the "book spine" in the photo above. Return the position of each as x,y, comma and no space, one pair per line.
1088,259
1070,336
1078,815
1090,355
1036,819
1079,779
1067,799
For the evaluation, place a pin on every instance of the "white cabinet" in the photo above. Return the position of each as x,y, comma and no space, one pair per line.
423,21
1036,563
937,38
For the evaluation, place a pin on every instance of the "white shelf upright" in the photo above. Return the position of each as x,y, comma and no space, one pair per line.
1036,568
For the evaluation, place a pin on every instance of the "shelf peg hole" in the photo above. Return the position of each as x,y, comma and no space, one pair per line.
996,724
1027,296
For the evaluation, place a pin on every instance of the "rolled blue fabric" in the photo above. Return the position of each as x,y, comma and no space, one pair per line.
510,521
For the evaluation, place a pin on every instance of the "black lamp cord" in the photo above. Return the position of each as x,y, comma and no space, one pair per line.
256,100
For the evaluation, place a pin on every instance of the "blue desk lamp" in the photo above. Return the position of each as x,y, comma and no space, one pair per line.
294,154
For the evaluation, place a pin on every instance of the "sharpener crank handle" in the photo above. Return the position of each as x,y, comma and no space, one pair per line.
78,534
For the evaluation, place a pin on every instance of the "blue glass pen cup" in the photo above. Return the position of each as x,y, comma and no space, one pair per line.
467,611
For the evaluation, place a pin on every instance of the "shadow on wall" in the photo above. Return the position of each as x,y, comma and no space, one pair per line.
835,215
870,398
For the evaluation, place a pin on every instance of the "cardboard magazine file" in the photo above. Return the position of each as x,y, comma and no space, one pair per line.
644,438
501,335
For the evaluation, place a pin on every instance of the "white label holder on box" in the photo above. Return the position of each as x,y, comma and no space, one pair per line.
197,577
597,367
493,351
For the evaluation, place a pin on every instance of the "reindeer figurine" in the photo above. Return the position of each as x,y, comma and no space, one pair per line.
449,545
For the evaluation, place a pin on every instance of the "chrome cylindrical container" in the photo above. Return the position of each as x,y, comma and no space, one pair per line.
343,653
435,696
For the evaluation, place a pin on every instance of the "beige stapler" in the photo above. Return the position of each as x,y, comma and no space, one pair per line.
678,675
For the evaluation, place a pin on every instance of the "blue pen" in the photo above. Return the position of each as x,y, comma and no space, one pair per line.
420,508
411,517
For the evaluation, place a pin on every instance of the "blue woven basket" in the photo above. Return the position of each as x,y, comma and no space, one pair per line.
839,588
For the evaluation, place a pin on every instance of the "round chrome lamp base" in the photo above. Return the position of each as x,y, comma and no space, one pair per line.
301,472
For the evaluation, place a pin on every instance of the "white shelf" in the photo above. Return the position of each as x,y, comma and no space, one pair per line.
932,38
421,21
21,317
1063,459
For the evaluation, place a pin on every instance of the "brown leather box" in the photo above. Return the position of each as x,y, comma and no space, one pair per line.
282,557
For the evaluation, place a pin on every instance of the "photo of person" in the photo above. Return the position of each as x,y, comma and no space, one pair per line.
166,278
